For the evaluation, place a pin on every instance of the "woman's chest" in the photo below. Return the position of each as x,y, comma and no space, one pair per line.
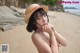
46,37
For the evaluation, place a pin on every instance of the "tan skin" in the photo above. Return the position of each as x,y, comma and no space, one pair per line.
45,38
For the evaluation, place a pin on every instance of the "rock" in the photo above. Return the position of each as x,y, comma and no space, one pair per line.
5,26
18,9
9,18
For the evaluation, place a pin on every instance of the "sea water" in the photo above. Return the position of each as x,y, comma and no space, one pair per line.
71,6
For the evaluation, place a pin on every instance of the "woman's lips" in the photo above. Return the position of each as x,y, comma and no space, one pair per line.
45,24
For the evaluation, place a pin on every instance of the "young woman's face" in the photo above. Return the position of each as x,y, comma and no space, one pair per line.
42,19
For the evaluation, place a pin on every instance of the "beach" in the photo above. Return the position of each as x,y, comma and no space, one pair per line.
68,25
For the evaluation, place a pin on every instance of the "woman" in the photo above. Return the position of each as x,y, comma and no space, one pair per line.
44,37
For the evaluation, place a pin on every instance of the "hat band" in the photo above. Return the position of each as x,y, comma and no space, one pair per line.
36,7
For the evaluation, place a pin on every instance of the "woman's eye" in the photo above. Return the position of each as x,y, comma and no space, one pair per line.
38,18
44,15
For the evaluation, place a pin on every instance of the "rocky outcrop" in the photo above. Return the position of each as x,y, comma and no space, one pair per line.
9,18
16,3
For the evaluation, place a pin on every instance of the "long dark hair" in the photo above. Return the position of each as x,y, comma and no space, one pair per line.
32,21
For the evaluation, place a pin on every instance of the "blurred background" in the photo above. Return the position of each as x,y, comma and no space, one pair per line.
24,3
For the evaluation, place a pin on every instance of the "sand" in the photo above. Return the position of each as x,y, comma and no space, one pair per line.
67,25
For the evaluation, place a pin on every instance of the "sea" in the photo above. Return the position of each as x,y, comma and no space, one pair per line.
72,6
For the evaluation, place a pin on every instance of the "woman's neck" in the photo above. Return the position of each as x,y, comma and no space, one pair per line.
39,29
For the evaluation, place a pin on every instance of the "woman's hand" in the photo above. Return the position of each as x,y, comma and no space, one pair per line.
48,28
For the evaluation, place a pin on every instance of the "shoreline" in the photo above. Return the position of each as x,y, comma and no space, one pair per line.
74,13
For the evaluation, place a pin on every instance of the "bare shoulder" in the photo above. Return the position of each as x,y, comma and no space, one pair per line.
35,35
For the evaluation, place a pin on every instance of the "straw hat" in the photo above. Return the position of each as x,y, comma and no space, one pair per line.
31,9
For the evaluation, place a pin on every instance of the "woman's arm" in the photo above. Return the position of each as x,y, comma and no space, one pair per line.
53,42
54,46
60,39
